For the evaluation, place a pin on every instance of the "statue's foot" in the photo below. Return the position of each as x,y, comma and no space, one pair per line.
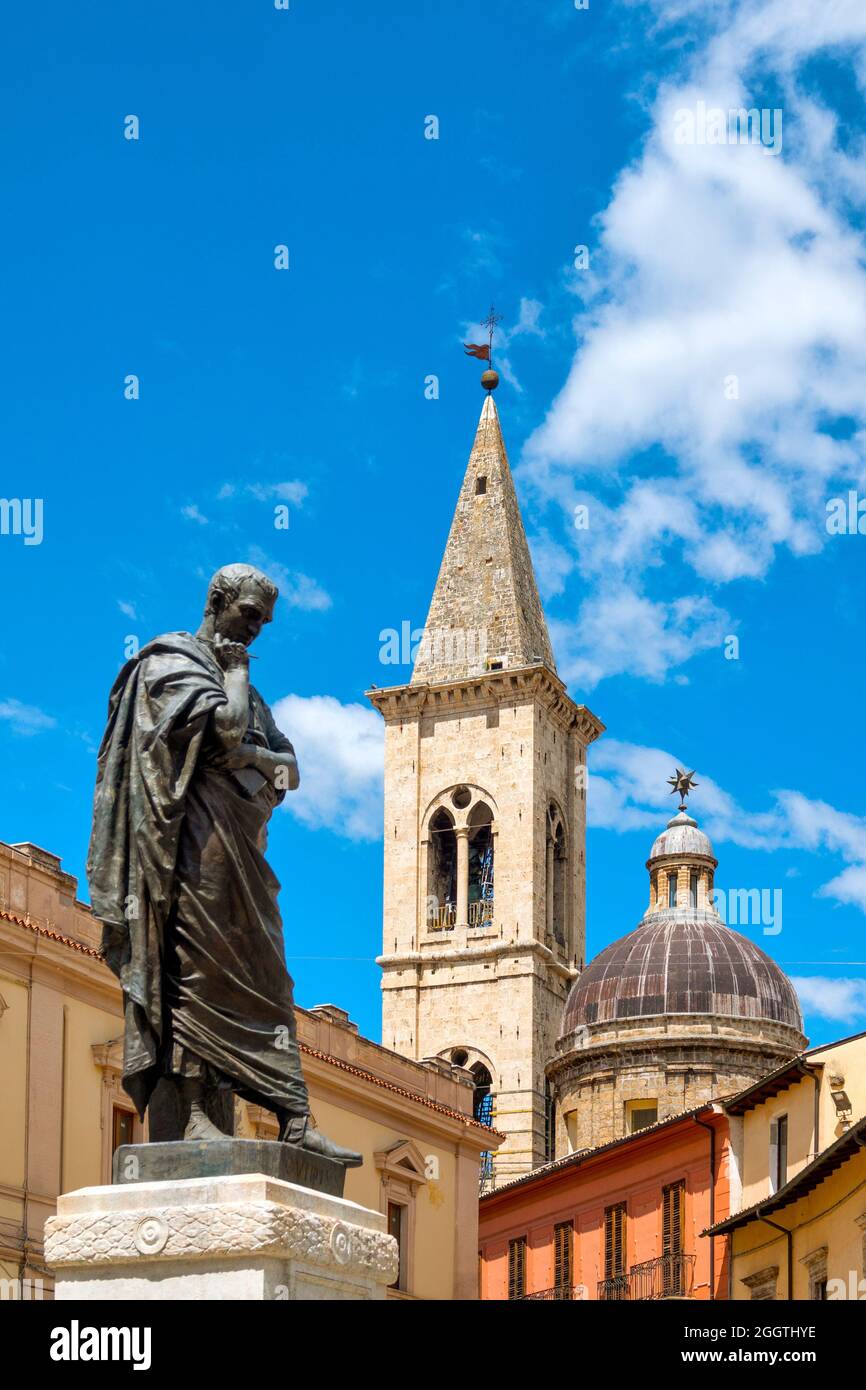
300,1131
198,1125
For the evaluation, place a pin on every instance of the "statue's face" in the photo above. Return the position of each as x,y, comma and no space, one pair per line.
242,618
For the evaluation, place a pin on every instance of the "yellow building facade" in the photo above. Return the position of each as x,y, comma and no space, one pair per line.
63,1110
798,1179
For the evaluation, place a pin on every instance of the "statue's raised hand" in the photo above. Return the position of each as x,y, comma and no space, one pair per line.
232,656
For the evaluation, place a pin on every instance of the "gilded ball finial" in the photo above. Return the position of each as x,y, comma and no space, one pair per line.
490,379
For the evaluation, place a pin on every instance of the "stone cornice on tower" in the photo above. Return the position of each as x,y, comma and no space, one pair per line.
493,688
486,592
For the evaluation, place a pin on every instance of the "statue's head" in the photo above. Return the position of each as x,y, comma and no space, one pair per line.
240,600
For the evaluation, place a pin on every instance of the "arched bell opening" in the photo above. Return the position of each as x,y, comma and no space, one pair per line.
482,1094
442,871
481,853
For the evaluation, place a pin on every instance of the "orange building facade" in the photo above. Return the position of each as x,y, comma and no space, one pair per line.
619,1222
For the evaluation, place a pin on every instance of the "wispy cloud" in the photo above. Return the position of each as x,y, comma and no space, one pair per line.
340,750
128,609
192,513
25,719
298,590
841,1000
721,330
292,490
627,791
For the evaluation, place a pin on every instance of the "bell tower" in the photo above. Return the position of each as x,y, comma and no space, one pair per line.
485,816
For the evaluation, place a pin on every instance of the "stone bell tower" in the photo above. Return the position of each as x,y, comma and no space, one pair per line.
485,759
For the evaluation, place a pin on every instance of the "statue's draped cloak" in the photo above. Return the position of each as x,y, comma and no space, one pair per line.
180,883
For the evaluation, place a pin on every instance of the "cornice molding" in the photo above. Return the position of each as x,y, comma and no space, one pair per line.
493,688
463,955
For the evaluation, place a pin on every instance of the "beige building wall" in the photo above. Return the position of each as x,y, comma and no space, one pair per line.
56,998
61,1043
828,1242
839,1067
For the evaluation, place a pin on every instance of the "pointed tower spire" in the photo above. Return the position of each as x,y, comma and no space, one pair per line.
485,613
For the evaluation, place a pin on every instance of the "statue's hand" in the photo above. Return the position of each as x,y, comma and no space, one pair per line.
232,656
245,755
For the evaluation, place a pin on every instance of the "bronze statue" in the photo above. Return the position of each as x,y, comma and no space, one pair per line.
190,769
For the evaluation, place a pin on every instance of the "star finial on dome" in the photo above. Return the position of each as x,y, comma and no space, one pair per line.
682,782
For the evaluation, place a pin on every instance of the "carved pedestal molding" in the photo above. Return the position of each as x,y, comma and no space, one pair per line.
247,1237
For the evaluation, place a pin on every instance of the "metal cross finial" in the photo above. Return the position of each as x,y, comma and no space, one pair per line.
682,782
490,324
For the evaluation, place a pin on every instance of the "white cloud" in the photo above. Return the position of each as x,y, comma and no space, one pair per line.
340,750
192,513
25,719
620,631
716,262
128,609
842,1000
627,791
293,491
298,590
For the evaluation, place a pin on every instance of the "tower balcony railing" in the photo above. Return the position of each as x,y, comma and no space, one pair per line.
442,918
481,912
667,1276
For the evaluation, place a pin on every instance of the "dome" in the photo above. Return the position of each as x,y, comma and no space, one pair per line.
670,966
682,836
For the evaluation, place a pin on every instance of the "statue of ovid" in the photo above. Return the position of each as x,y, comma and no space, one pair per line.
190,769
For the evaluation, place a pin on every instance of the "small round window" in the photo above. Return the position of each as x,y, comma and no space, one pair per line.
461,798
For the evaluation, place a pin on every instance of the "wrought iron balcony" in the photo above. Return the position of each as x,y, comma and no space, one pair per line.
563,1293
667,1276
615,1288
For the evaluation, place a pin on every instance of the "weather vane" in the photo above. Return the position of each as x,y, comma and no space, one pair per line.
484,351
682,783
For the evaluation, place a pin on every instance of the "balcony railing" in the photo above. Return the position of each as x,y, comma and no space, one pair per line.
481,912
562,1294
615,1288
442,918
667,1276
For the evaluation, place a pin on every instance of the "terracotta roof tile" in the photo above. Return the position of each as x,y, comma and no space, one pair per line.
398,1090
50,934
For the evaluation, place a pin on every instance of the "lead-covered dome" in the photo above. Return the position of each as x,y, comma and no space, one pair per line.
671,966
681,836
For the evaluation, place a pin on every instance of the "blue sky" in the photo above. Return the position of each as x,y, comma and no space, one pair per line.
699,386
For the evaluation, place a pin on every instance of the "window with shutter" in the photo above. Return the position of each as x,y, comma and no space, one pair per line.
614,1241
673,1202
563,1243
778,1152
517,1267
672,1217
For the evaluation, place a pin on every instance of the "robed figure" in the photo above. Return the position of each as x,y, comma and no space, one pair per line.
190,769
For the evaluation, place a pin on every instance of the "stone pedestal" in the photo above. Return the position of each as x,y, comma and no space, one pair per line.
240,1236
